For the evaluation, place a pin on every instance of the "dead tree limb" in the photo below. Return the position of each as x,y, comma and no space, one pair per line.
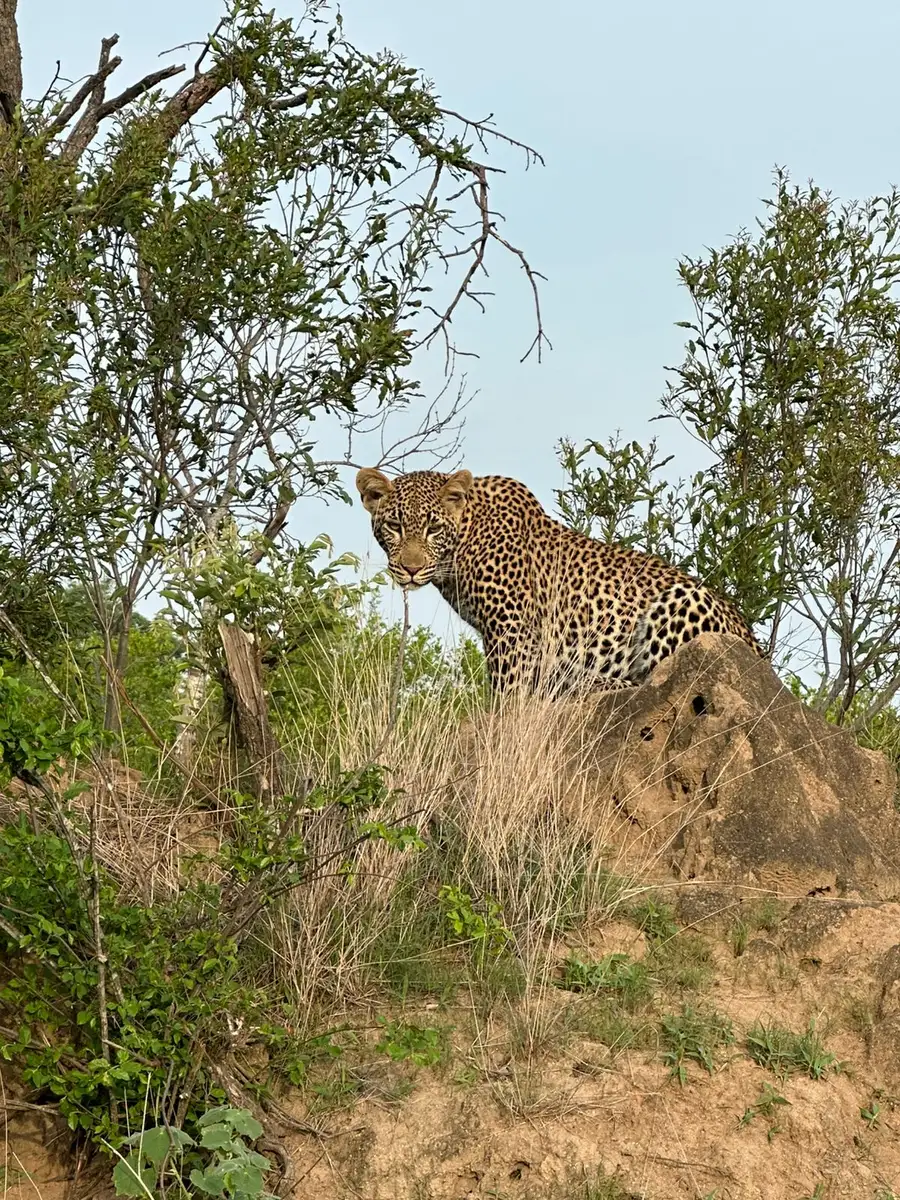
250,710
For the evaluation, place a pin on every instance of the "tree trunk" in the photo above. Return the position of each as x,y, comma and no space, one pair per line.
250,714
10,61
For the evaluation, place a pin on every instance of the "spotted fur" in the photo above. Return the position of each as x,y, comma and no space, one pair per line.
554,608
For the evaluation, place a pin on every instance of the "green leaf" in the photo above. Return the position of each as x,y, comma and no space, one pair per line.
156,1145
247,1179
76,789
210,1181
216,1137
131,1179
246,1125
213,1116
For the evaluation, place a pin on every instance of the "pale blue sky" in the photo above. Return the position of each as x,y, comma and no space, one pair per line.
660,124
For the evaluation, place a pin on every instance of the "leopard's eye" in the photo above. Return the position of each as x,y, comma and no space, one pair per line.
392,527
432,528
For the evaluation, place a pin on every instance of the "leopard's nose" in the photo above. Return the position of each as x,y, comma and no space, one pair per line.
412,560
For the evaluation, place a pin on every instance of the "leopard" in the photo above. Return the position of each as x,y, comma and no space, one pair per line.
557,611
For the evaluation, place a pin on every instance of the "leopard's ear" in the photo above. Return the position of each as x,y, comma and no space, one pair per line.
457,487
373,485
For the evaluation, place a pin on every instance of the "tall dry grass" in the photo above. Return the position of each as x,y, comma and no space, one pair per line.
508,820
504,817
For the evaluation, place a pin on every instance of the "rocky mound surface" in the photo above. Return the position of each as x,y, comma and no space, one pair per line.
727,776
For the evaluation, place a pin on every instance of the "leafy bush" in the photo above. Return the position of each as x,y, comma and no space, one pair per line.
218,1163
126,1018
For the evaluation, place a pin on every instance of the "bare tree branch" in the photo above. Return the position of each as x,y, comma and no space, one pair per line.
138,89
81,135
485,129
179,109
68,111
480,191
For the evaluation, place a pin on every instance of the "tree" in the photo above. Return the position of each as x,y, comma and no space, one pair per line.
190,277
791,383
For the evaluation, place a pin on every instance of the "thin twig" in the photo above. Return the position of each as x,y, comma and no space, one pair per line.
51,85
397,680
484,129
479,190
99,952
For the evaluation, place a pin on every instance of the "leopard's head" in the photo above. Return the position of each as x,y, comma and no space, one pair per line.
416,520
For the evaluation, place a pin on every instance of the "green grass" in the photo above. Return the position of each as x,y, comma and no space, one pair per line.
767,1105
605,1022
617,974
677,959
607,1187
760,916
683,962
614,995
784,1052
654,918
693,1035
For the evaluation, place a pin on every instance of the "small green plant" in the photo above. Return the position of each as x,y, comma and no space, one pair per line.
606,1022
784,1052
767,1106
683,962
655,919
871,1114
606,1187
334,1087
220,1162
740,936
298,1059
423,1046
627,980
861,1015
766,915
693,1036
477,922
818,1193
612,992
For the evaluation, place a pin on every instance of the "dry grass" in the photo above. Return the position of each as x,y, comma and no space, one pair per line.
508,820
505,819
508,816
